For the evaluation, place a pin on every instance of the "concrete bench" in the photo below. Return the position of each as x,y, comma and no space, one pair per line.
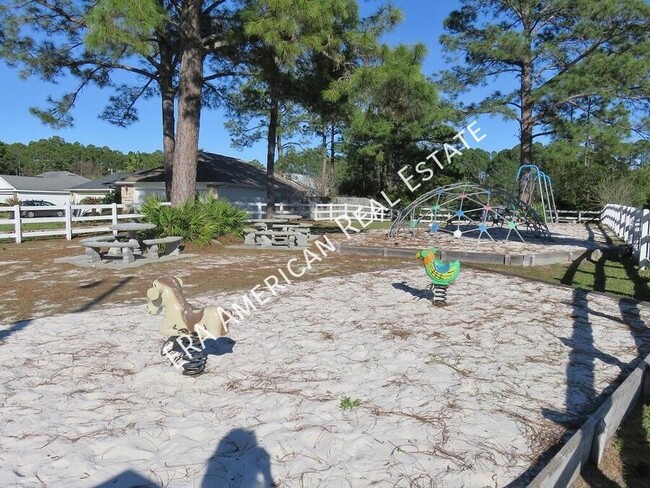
171,244
93,249
249,236
104,238
269,238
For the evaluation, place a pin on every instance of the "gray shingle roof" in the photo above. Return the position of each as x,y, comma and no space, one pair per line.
50,181
216,168
103,183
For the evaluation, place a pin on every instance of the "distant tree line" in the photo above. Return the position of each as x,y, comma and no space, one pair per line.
312,79
55,154
582,179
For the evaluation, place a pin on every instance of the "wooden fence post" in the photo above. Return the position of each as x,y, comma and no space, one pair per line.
259,210
18,230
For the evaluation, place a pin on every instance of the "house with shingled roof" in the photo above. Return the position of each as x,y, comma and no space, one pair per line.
52,186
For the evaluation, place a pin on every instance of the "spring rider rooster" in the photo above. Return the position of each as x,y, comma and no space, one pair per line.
441,273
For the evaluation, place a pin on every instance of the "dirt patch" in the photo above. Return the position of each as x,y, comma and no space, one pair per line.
566,237
36,286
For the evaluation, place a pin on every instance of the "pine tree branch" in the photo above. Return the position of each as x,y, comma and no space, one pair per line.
225,74
58,11
545,133
213,6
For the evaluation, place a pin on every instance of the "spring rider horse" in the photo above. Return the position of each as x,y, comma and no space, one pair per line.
183,322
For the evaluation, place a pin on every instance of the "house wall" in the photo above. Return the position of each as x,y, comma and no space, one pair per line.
126,194
138,193
237,194
6,190
78,196
57,198
142,190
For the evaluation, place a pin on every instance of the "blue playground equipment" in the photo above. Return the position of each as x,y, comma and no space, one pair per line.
536,181
466,209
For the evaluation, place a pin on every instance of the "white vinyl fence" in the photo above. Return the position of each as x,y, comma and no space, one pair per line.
577,216
258,210
331,211
74,220
633,226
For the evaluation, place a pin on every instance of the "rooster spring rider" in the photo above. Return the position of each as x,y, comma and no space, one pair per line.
186,327
441,273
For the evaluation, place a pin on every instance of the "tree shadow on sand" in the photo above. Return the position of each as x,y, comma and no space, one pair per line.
581,395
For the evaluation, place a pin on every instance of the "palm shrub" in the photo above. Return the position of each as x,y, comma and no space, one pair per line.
92,201
195,220
10,202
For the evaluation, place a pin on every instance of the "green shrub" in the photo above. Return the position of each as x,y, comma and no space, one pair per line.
112,197
348,403
91,201
197,220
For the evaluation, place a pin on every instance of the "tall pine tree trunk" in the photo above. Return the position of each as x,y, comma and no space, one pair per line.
279,146
270,158
331,180
189,103
323,162
166,81
527,125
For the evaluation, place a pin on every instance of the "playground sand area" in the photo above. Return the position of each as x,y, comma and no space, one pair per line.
470,394
565,238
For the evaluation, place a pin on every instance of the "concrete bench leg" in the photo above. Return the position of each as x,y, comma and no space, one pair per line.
94,256
152,251
264,241
128,256
250,239
301,239
172,248
114,251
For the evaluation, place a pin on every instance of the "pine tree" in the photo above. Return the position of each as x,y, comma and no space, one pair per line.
563,53
163,44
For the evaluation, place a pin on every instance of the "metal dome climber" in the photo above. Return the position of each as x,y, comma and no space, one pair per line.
537,180
465,208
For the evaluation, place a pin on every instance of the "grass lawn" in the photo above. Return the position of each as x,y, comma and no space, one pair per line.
31,226
609,275
332,227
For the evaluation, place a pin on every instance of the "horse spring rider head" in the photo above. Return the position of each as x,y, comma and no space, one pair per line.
180,317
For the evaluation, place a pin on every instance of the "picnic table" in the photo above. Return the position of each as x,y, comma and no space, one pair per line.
286,232
264,223
289,216
131,228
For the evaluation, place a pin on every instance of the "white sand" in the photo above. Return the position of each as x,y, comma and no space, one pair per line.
461,395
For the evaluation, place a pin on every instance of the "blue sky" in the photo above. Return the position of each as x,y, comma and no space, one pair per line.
422,23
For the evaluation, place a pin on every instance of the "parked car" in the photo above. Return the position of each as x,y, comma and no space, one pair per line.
45,211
